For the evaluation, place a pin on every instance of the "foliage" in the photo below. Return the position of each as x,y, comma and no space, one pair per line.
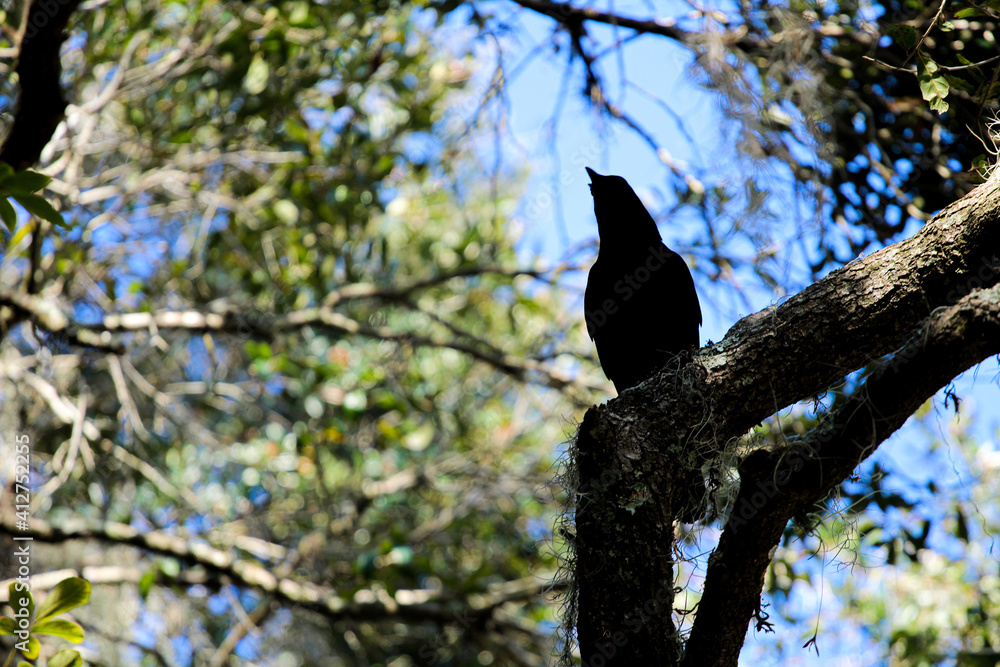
27,621
21,187
875,109
363,422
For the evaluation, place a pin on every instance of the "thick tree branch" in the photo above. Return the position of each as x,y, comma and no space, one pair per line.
778,484
40,105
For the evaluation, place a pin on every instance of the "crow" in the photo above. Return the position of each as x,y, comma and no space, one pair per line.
641,306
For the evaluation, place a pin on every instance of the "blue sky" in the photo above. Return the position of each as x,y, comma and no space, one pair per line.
557,209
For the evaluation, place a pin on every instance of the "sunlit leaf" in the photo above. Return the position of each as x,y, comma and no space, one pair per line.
67,594
33,648
256,78
59,627
66,658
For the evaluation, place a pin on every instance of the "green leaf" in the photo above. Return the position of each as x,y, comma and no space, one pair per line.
969,13
8,214
38,206
256,78
19,235
146,582
965,61
26,182
939,105
286,211
299,15
933,87
7,626
68,594
16,599
66,658
6,171
170,567
904,35
58,627
33,648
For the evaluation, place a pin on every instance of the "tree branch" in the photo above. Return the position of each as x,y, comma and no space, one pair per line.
230,321
776,485
403,292
46,315
417,605
565,13
40,105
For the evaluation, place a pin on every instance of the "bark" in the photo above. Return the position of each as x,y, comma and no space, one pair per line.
930,292
40,106
625,577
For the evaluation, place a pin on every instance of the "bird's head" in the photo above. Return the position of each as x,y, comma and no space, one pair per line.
620,213
605,187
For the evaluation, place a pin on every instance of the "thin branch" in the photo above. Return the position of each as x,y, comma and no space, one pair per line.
937,17
519,369
245,624
417,605
47,315
567,13
70,461
61,407
397,293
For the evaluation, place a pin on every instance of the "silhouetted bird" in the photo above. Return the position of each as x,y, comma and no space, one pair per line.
641,305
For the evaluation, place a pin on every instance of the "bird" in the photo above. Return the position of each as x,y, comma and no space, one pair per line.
640,306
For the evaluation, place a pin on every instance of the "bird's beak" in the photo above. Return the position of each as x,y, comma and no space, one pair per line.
593,175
